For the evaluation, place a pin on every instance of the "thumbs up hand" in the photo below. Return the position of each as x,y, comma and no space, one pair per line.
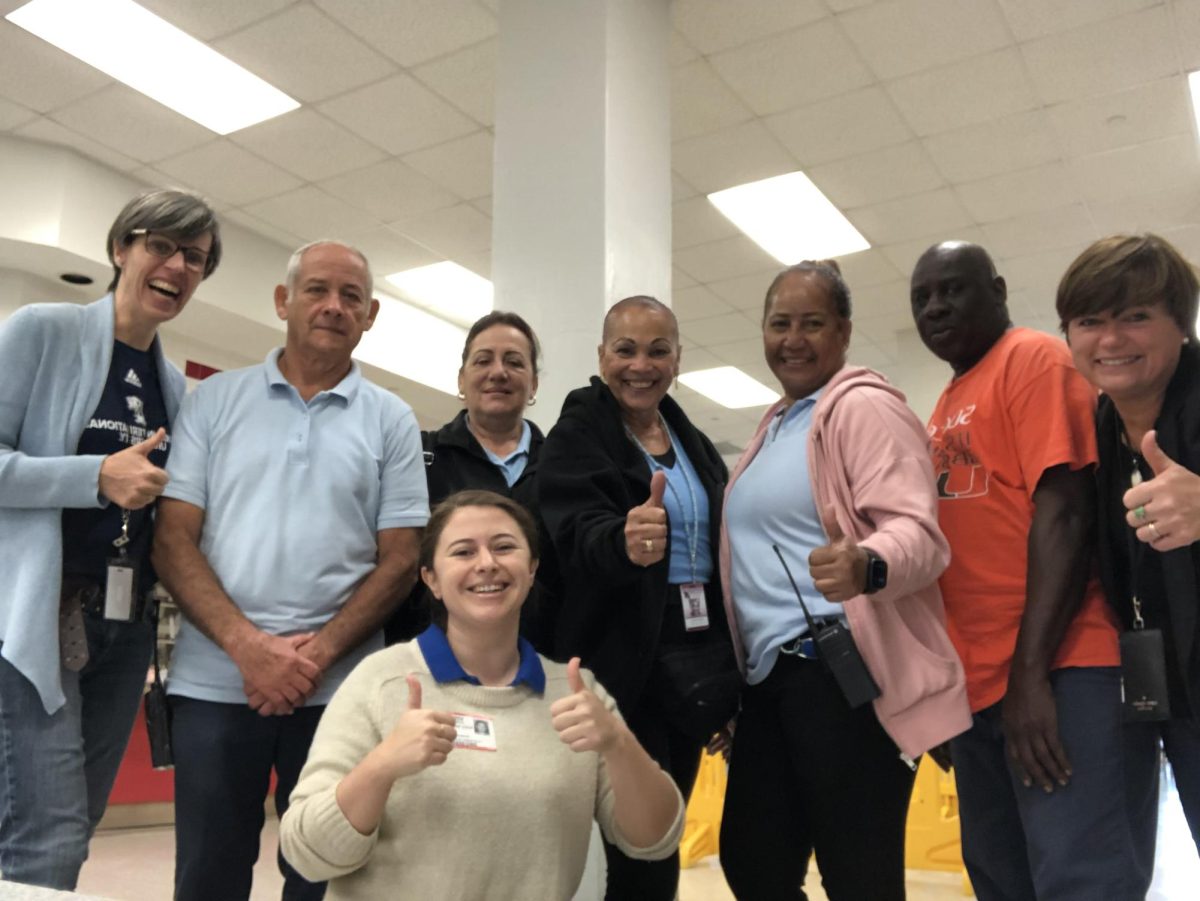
646,525
128,478
838,569
581,720
1165,510
420,739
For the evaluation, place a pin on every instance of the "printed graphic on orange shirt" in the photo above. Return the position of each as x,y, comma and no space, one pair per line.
959,473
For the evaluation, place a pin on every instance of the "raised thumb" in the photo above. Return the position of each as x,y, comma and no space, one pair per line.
145,447
574,680
832,529
1154,455
414,691
658,487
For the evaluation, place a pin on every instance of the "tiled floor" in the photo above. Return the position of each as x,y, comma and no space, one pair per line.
136,865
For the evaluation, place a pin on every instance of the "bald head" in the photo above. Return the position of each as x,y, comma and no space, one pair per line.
638,303
959,303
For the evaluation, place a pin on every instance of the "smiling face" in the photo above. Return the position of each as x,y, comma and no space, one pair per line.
152,290
958,303
639,357
804,338
498,377
328,307
1128,353
482,569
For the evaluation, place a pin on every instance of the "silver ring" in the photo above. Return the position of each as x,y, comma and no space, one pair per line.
1154,536
648,545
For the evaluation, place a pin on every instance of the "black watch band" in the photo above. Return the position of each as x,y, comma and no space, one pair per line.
877,572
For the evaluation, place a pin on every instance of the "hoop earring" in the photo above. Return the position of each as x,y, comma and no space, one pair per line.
462,396
532,400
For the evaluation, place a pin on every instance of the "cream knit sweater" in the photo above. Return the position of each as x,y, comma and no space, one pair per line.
484,826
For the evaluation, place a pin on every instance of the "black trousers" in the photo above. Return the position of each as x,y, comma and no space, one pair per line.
808,774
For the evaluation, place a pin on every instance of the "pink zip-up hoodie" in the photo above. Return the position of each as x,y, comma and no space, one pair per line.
869,465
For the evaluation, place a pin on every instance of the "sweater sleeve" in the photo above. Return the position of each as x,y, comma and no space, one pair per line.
314,835
68,481
606,804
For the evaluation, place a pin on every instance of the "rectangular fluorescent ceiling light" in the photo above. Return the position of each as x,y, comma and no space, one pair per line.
730,387
789,218
413,344
136,47
447,290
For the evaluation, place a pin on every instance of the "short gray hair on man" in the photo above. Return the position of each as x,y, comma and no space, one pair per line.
177,214
293,266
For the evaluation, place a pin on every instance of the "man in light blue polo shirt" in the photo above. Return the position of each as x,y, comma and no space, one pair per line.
287,535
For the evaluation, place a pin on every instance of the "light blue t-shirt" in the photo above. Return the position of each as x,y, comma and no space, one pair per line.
294,495
772,503
513,465
686,504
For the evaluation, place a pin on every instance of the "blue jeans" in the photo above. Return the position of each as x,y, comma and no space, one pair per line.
1072,844
56,771
224,754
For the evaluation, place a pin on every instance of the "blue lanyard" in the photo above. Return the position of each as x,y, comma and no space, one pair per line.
691,529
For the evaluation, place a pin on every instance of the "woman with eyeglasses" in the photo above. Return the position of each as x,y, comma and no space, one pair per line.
86,406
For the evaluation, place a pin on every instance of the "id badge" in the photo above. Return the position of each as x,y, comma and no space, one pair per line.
475,732
695,607
120,590
1144,677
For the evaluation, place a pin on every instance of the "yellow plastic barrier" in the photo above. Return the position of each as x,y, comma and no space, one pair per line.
703,826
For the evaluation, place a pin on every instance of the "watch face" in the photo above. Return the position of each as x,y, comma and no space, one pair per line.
876,573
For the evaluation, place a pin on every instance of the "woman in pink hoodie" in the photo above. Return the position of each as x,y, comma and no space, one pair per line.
838,478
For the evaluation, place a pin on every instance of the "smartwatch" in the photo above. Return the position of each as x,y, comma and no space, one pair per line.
876,572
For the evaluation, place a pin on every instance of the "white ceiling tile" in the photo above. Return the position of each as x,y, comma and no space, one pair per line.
1176,207
416,30
311,213
842,126
484,205
208,19
304,54
463,165
887,299
227,172
964,93
389,190
701,102
722,259
1036,276
50,132
877,176
911,217
307,144
399,114
732,156
882,330
680,189
697,358
710,26
841,6
863,352
744,354
1142,169
1030,19
390,252
132,123
1102,57
697,302
1185,15
905,36
866,269
793,68
13,114
680,279
1015,193
697,221
1186,240
746,292
904,254
450,231
40,76
1023,235
1001,145
1149,111
679,49
720,329
467,78
279,235
480,263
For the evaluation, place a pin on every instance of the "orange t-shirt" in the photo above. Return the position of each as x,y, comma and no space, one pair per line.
1020,410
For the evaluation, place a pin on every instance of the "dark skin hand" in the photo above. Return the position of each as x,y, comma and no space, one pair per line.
1059,539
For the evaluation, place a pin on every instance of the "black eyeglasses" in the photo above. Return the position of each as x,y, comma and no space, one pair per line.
194,258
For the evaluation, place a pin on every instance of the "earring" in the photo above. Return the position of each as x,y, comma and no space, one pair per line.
462,396
532,400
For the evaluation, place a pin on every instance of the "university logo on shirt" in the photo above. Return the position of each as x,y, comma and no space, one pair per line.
959,473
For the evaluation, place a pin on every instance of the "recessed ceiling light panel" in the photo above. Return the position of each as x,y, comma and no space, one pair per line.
729,387
446,289
136,47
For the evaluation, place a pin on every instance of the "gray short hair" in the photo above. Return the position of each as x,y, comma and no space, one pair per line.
293,266
176,214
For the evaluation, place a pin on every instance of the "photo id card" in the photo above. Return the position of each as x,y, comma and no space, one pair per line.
695,607
475,732
119,591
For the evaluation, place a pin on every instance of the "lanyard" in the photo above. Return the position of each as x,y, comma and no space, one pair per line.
691,528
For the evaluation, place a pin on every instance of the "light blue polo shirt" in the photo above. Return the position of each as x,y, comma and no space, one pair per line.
772,503
513,465
686,503
294,495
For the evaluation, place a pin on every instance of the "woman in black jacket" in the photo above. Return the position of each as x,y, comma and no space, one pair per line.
630,492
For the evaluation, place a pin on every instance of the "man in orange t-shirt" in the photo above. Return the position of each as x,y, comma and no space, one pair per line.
1040,775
